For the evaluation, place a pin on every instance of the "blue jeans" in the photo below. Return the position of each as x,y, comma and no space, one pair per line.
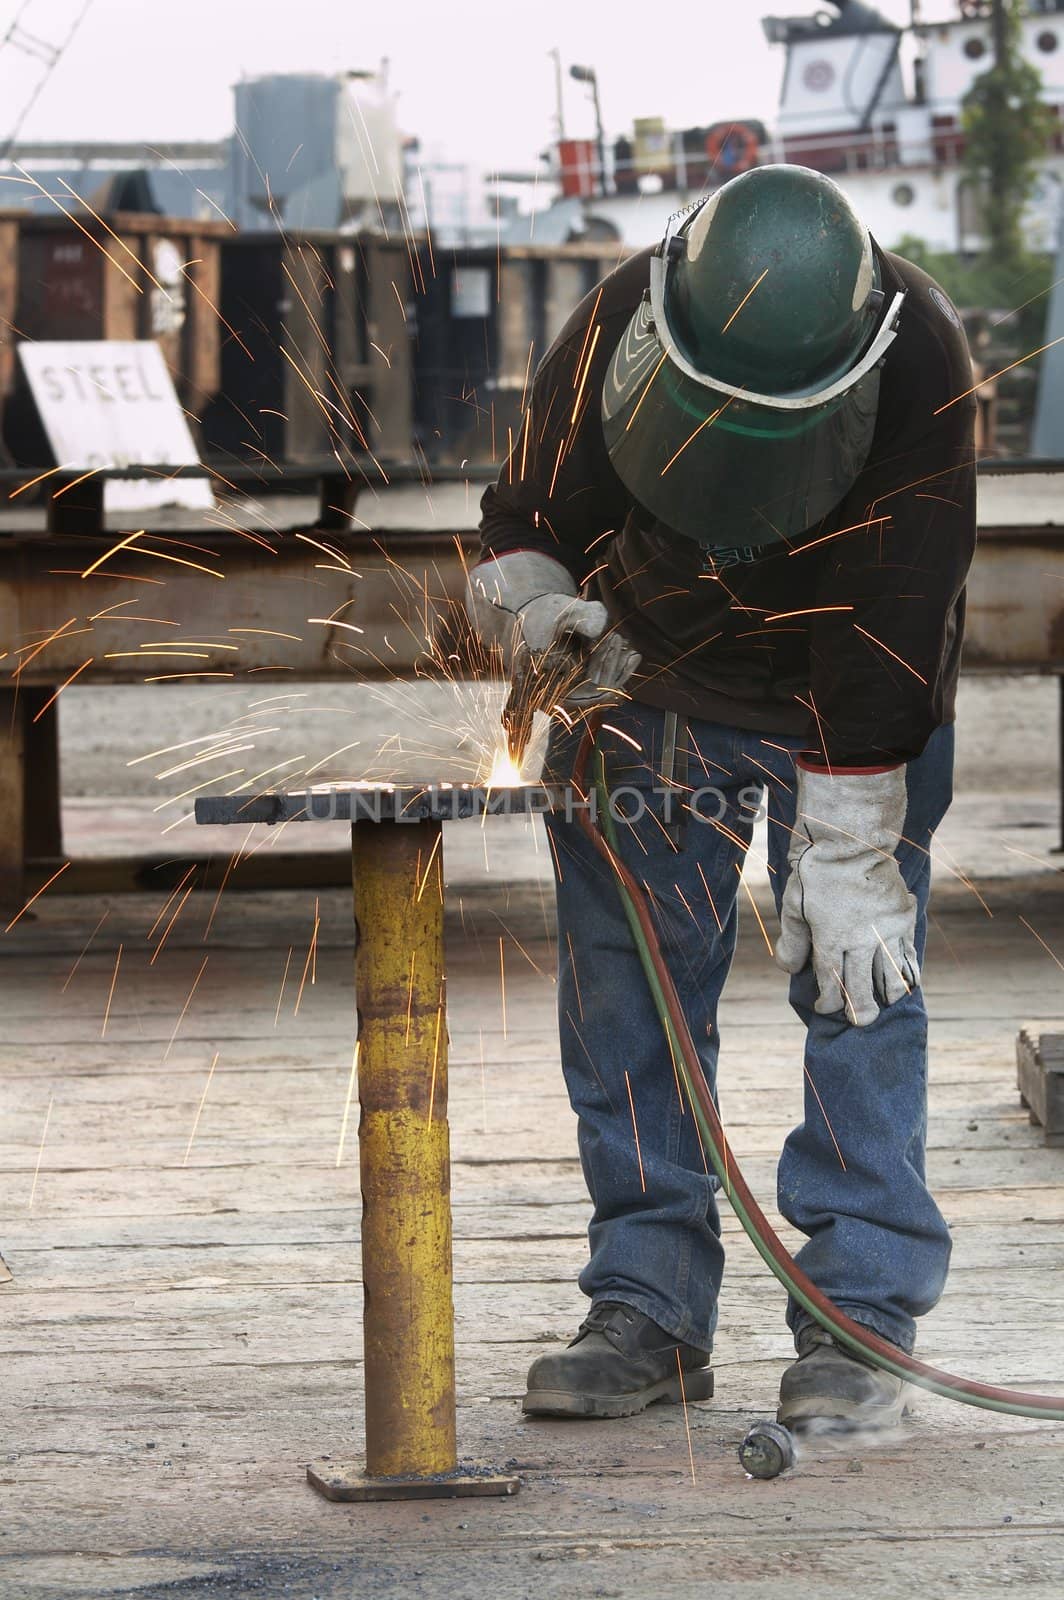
876,1241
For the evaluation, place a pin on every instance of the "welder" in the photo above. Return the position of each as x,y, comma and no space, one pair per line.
742,509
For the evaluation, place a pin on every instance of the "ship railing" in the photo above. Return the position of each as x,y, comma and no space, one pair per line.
681,161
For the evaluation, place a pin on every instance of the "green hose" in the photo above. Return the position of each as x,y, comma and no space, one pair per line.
869,1346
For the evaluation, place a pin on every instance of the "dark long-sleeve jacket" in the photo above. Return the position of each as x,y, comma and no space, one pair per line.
850,634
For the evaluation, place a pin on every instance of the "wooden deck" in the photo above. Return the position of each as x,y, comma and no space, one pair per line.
181,1328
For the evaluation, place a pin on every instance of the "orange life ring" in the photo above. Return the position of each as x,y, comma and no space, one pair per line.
733,146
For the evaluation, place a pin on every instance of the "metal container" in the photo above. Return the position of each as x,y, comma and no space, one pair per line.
485,318
9,224
133,277
316,358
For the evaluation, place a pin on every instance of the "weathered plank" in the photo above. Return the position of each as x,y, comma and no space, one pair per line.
212,1309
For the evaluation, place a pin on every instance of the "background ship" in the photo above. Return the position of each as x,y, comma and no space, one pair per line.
876,105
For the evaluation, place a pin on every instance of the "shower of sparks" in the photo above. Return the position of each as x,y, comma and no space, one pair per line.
410,997
608,727
505,771
893,654
942,858
744,300
309,963
230,867
808,611
352,1079
62,628
37,896
946,940
184,1009
82,478
284,980
686,1418
990,376
890,958
173,919
584,377
536,968
646,391
854,527
65,685
709,897
1042,942
433,853
440,1009
111,993
195,761
820,1103
199,1109
331,757
1014,850
33,482
123,544
635,1130
850,1008
28,176
753,907
688,907
706,422
84,950
40,1152
572,968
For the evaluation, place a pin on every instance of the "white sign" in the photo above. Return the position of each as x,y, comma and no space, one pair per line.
111,403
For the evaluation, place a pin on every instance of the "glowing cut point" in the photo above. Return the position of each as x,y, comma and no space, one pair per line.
505,773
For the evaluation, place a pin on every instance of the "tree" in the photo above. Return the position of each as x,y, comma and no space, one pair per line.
986,284
1006,127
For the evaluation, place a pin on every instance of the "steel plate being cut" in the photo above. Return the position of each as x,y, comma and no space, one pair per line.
388,803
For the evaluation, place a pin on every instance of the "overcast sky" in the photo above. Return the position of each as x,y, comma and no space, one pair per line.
474,78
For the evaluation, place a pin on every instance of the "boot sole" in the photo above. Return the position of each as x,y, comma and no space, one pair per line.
844,1416
697,1385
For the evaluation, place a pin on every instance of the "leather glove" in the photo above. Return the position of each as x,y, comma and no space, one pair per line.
528,604
845,904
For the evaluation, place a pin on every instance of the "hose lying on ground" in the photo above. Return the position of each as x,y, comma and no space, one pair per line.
759,1230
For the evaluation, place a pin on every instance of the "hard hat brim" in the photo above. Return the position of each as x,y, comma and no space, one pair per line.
722,466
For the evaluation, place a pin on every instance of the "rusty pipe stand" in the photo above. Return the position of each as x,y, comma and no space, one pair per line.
404,1155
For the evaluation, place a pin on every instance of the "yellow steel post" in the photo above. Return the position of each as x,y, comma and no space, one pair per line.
405,1170
404,1149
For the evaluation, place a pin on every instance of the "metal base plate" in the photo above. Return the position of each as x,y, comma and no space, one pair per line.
349,1482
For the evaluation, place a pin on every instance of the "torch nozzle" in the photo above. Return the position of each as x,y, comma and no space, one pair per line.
517,716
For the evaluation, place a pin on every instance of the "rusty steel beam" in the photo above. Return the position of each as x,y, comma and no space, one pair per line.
248,607
241,593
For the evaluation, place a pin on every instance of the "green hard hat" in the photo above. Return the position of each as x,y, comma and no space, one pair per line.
740,402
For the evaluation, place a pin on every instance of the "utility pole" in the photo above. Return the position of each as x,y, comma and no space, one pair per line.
999,30
559,108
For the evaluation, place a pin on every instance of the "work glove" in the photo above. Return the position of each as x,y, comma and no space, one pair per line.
528,605
845,905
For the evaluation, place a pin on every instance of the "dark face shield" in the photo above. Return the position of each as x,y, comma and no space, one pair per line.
724,466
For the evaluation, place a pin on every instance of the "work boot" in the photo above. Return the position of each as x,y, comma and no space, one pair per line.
831,1385
619,1363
